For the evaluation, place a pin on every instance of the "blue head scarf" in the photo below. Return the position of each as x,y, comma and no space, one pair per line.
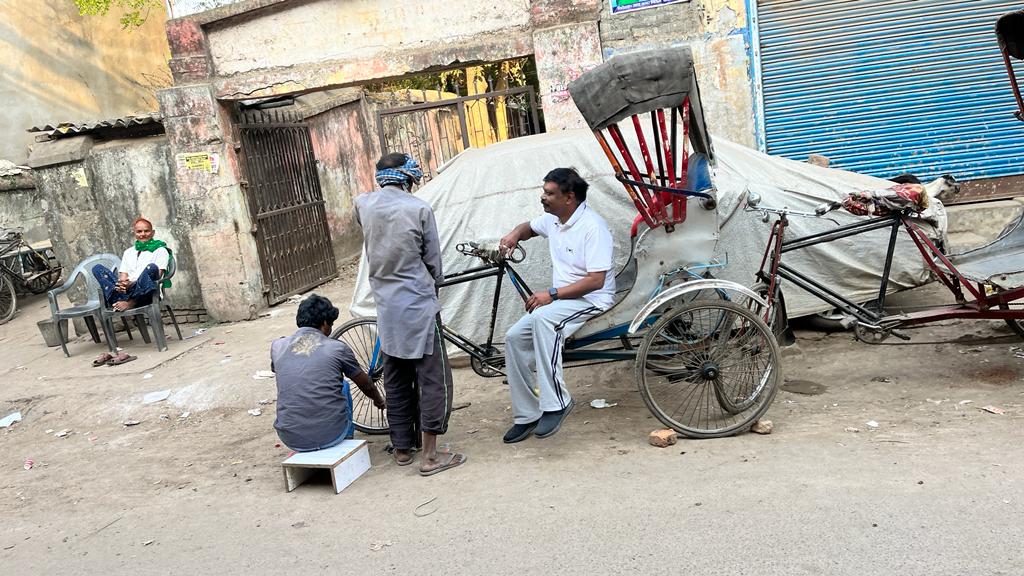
400,175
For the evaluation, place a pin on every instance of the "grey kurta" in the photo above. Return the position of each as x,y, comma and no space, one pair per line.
403,256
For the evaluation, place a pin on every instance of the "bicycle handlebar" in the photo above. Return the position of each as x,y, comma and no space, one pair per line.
492,254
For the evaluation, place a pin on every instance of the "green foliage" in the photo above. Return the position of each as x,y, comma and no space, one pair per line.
134,12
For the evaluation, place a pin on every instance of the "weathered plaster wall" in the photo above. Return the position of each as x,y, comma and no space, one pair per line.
563,53
323,30
90,205
212,205
716,31
346,151
22,205
302,46
60,66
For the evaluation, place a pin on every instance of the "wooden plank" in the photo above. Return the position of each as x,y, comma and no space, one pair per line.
327,458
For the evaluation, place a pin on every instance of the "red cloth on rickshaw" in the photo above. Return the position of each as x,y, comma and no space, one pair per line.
884,202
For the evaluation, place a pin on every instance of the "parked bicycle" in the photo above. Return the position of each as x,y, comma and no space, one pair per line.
23,269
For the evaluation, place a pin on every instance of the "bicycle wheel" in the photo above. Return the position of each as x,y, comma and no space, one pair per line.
8,299
361,336
716,381
43,275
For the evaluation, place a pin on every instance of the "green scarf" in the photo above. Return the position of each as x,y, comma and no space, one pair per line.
152,245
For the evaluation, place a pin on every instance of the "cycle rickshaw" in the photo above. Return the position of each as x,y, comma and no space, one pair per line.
706,362
986,282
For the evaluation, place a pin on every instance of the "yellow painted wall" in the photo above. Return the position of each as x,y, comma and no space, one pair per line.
56,65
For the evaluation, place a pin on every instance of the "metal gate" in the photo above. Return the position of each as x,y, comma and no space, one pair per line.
435,132
285,202
889,86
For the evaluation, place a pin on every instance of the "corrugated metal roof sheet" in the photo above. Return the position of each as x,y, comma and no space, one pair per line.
76,128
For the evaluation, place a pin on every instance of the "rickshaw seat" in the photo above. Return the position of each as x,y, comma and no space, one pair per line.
698,174
1000,263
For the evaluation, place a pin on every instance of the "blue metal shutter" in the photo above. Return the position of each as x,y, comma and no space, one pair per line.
884,87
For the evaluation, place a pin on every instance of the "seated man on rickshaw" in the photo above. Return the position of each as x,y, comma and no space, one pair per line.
582,286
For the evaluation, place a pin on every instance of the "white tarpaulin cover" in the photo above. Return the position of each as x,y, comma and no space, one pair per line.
483,193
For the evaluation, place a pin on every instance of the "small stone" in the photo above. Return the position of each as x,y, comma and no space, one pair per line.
762,427
662,438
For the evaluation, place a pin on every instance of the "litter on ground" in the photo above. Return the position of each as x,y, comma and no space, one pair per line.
158,396
262,375
602,403
10,419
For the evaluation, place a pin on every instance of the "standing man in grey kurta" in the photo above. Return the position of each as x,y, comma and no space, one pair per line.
582,286
403,256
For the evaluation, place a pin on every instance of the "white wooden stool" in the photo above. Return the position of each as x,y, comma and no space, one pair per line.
346,461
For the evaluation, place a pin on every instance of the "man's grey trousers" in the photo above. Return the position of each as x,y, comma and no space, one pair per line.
533,357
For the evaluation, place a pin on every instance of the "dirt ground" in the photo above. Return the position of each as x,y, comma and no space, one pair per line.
935,489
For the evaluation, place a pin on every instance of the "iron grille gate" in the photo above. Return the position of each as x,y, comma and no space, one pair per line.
435,132
286,204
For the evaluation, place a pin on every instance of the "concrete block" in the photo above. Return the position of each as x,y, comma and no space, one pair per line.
63,151
346,462
185,36
190,68
662,438
187,101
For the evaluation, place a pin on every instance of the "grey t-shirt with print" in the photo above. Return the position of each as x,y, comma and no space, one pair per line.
312,410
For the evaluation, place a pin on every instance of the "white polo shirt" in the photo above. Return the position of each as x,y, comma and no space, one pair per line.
581,245
133,261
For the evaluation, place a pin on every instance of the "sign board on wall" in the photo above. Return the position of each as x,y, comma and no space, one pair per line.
623,6
202,161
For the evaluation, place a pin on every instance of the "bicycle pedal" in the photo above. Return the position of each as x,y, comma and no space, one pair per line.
900,335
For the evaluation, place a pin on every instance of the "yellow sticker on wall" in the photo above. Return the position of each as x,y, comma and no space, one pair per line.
205,161
80,177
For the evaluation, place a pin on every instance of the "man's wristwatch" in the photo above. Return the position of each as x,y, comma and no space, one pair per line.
553,292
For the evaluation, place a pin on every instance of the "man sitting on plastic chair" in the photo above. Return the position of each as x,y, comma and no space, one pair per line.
142,266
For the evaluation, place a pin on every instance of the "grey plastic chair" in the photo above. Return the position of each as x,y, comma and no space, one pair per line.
91,310
150,312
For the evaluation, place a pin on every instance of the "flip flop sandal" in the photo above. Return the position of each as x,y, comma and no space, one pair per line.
102,359
456,459
121,359
404,462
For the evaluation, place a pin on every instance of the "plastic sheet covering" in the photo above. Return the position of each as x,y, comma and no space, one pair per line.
483,193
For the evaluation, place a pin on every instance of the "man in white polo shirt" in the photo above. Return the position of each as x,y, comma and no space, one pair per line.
582,286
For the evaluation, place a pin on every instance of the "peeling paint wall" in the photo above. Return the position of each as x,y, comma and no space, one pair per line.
346,152
60,66
23,206
563,53
213,205
716,31
307,32
90,205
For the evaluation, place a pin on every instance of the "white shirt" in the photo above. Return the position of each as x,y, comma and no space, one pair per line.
581,245
133,262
